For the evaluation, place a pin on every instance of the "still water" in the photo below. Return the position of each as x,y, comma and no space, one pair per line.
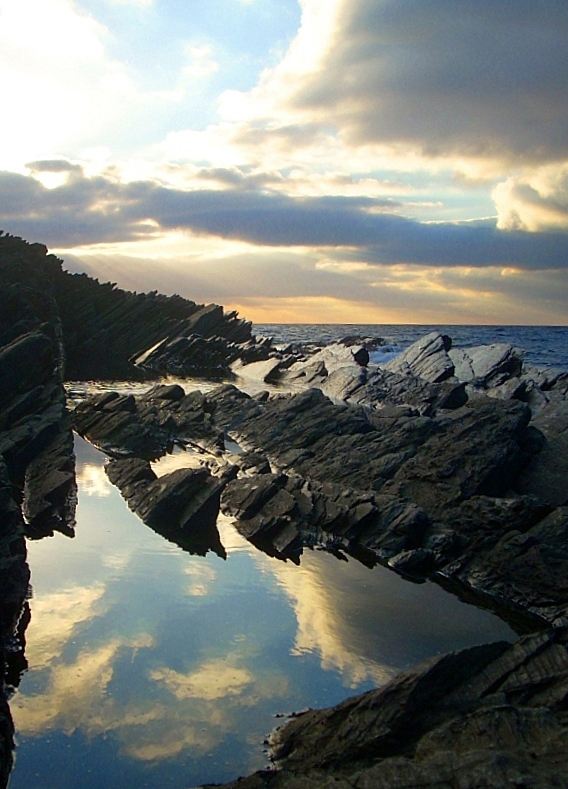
150,667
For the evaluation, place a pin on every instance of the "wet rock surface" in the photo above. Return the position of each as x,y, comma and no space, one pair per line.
490,716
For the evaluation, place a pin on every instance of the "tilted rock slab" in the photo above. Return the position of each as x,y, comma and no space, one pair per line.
427,358
491,716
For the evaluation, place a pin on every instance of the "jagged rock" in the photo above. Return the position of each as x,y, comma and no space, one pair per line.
338,355
266,371
547,378
476,450
285,511
487,365
183,506
112,426
50,488
379,388
426,358
528,566
546,474
190,355
459,454
490,716
26,363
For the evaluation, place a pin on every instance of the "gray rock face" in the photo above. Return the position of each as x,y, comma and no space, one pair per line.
547,472
280,512
491,716
487,365
379,388
473,450
426,358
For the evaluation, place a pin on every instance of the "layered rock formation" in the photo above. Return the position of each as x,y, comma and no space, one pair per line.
445,463
107,332
492,716
36,462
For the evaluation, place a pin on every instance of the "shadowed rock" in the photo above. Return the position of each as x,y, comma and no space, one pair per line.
182,506
489,716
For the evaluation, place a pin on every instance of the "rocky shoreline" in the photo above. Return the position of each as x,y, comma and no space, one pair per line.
446,464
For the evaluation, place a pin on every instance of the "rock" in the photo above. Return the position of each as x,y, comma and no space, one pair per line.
471,451
182,506
528,566
27,362
50,488
265,371
467,452
546,474
488,716
338,355
281,512
487,365
379,388
426,358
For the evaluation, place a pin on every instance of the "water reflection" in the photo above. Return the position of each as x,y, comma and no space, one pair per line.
152,667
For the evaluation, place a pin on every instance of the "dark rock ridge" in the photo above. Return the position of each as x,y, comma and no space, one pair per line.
492,716
37,480
182,506
107,332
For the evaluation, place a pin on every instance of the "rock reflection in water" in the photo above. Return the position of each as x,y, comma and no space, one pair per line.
152,667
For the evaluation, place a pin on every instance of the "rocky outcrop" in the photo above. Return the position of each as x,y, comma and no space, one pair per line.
433,496
491,716
428,358
487,365
36,460
107,332
111,333
181,506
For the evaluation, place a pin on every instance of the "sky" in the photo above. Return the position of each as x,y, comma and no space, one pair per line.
337,161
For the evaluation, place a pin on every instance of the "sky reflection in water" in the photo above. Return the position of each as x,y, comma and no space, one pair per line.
152,667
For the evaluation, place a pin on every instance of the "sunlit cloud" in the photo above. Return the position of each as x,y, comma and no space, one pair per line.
323,629
54,618
93,480
375,132
201,578
212,680
200,60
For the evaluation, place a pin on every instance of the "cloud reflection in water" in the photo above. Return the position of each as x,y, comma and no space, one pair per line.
178,663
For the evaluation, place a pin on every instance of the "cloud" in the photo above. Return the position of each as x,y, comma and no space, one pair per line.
537,201
212,680
486,80
91,210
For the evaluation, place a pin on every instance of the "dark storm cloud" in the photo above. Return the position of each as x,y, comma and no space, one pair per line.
483,78
99,209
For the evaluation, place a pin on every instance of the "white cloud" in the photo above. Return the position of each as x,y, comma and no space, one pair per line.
534,201
140,3
212,680
200,60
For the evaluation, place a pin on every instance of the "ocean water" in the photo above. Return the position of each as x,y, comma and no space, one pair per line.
153,667
543,345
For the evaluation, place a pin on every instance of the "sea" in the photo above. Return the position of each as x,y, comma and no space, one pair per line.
545,346
152,667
